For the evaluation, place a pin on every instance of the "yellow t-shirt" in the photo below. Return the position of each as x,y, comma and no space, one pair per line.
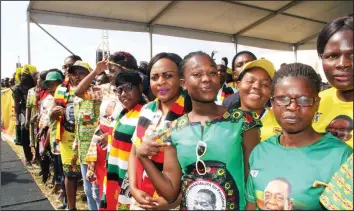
270,125
334,116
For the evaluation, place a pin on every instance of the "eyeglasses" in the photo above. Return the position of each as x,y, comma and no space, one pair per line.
200,152
66,66
128,87
301,101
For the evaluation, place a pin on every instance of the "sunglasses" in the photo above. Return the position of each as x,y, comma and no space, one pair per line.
200,152
66,66
79,72
128,87
301,101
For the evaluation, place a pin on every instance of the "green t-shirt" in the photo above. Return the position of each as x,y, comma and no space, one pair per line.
222,187
283,178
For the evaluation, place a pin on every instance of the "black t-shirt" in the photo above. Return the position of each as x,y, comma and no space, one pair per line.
233,101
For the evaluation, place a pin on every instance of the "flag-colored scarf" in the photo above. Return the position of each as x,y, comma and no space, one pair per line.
226,92
61,99
118,155
145,119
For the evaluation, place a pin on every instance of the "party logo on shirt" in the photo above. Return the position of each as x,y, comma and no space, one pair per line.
317,116
205,195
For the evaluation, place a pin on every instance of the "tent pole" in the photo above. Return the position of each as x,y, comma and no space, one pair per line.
234,40
53,37
295,52
149,28
28,39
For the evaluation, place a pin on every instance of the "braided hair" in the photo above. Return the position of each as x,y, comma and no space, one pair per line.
297,70
181,69
189,56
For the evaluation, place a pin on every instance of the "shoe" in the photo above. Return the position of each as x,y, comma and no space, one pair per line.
62,207
60,197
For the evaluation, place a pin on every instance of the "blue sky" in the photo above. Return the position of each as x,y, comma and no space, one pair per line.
47,54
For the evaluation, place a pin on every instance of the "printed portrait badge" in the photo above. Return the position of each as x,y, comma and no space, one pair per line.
69,113
205,195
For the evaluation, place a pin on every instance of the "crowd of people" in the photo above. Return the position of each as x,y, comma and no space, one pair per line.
191,134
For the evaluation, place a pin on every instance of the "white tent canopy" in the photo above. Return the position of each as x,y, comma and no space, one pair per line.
278,25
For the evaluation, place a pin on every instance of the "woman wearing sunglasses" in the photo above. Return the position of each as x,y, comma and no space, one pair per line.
290,170
210,145
129,91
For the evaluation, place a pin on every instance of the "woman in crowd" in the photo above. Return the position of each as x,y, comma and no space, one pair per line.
154,118
253,84
53,79
20,93
32,112
225,90
290,170
31,108
238,61
63,116
335,48
86,115
201,139
129,91
110,108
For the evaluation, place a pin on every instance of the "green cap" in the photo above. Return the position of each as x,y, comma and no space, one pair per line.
52,76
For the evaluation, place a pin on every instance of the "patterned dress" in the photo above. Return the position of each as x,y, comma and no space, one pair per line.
33,106
86,114
339,192
223,184
66,130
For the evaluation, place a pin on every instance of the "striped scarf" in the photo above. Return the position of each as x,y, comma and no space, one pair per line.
61,99
226,92
118,155
145,119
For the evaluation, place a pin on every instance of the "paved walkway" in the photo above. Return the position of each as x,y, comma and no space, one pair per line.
19,191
